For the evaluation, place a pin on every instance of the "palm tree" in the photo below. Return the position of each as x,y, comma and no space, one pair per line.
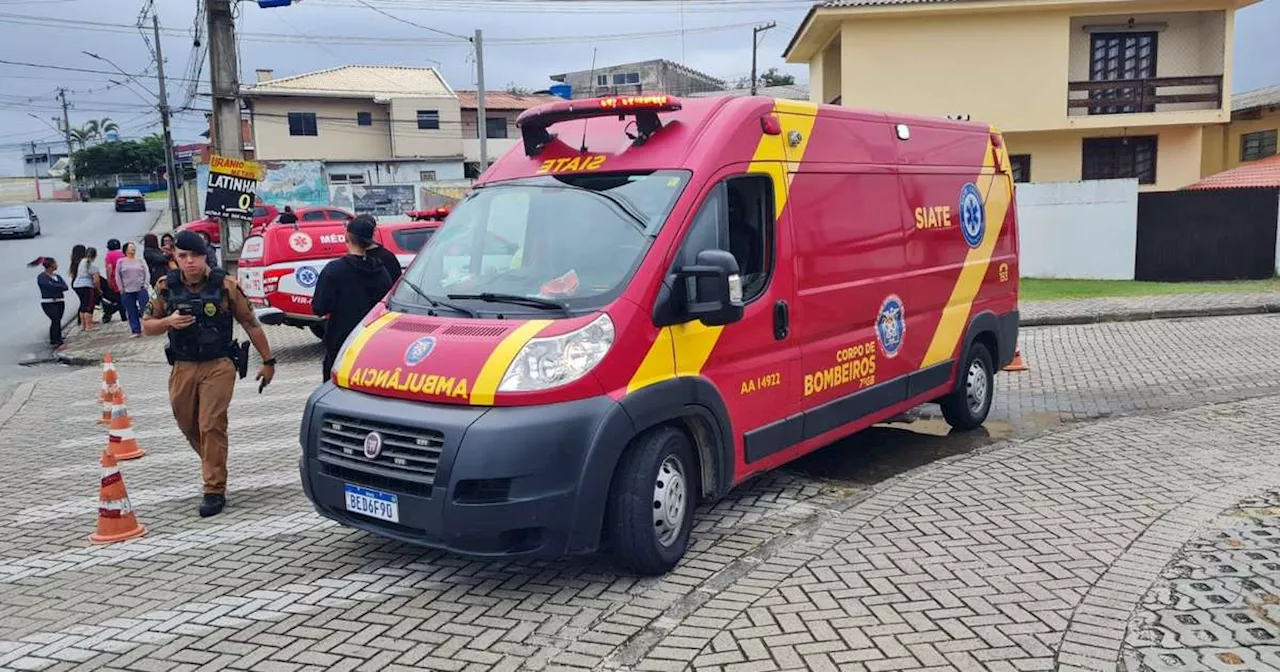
99,128
104,126
82,136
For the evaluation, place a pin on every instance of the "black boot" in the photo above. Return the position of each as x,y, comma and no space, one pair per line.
212,505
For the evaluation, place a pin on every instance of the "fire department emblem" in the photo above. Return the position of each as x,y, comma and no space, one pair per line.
973,215
419,349
891,325
372,445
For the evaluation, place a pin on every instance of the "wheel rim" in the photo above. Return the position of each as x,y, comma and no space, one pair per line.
975,387
669,501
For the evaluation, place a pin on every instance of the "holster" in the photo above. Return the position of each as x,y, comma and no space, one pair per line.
240,356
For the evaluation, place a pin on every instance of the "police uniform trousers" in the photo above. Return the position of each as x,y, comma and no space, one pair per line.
200,393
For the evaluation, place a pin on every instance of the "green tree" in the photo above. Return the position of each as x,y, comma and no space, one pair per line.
126,156
772,77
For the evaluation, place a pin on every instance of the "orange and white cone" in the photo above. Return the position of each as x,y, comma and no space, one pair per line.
121,443
110,381
116,521
1017,364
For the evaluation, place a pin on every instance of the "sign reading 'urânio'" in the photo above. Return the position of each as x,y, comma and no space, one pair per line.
233,184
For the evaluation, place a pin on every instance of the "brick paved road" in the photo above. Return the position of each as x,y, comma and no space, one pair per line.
1023,555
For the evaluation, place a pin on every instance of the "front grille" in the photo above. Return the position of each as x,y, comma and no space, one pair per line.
407,461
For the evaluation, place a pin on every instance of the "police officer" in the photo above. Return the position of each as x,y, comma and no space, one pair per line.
196,306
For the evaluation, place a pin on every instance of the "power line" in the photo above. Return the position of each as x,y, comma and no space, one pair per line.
370,40
411,23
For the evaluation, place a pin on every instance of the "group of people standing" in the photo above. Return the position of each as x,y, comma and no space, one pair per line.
121,282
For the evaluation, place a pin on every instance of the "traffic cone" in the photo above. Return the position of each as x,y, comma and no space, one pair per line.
116,521
110,380
121,442
1017,364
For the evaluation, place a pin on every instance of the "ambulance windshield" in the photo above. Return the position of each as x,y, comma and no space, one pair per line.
564,241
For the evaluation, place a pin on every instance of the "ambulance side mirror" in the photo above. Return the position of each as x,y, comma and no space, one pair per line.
716,297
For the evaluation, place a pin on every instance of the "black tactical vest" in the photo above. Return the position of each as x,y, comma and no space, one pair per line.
211,335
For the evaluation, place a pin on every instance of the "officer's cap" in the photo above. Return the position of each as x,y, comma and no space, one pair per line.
191,242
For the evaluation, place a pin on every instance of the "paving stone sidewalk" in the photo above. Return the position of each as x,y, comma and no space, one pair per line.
1026,554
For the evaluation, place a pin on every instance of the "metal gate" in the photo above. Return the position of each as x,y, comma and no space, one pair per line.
1212,234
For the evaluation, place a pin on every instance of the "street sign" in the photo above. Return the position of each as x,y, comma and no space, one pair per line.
268,4
232,190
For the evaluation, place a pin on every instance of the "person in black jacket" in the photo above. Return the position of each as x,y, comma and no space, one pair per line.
52,287
382,254
348,288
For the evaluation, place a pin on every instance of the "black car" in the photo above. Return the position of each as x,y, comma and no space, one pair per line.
19,220
130,199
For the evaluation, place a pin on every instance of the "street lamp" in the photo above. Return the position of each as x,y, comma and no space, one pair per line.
120,70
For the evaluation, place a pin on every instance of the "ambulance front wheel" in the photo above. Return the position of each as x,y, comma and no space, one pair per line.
968,405
651,502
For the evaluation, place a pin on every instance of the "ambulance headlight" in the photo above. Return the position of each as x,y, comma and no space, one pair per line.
558,360
342,352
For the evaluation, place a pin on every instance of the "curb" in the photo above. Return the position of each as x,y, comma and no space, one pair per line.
1143,315
21,395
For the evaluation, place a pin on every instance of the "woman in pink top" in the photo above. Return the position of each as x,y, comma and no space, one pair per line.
133,278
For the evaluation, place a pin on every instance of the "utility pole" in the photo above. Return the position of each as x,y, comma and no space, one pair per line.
174,217
66,132
755,46
224,79
480,112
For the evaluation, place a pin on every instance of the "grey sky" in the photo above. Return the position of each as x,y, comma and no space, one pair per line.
318,34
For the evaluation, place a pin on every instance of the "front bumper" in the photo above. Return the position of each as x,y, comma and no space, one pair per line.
510,481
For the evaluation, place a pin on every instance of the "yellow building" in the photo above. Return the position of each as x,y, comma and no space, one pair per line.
1083,89
1251,135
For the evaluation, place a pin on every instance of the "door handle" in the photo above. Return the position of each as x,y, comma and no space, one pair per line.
781,321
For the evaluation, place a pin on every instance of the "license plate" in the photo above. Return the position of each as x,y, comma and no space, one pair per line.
372,503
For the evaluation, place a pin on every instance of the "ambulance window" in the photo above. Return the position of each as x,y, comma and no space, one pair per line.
751,224
314,216
705,232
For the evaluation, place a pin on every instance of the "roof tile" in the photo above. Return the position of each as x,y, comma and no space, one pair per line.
1260,173
373,81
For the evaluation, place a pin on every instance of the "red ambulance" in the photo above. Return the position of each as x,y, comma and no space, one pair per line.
280,264
700,290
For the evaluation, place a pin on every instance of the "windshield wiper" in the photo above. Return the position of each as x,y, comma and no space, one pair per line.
517,299
436,303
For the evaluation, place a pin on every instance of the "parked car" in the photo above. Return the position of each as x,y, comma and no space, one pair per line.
263,214
19,220
130,199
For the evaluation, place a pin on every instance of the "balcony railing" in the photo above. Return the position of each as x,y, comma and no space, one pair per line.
1130,96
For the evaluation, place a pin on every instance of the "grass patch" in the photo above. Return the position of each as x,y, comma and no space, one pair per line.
1042,289
156,195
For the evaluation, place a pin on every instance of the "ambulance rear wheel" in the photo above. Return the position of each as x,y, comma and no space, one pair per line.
651,502
968,405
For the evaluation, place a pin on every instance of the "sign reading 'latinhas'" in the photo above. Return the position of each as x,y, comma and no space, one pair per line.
233,184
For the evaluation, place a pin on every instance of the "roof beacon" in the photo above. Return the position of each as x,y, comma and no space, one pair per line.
535,122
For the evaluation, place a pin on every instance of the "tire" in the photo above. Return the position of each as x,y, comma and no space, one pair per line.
317,330
653,489
967,406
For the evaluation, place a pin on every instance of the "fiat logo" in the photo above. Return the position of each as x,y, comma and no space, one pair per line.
372,445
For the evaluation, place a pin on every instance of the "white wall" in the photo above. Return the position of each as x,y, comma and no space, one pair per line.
1086,230
395,172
